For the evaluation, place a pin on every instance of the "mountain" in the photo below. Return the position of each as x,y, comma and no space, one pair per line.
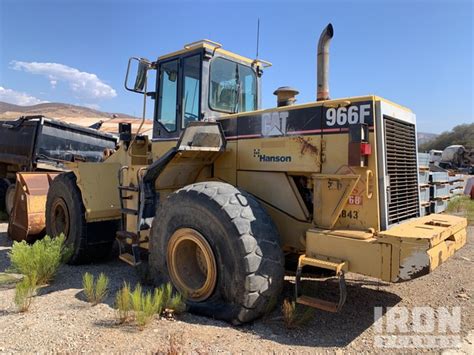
79,115
424,137
54,110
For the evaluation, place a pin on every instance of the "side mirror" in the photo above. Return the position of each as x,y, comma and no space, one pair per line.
140,66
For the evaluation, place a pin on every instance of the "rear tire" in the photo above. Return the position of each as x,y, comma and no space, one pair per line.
10,198
4,185
65,213
215,225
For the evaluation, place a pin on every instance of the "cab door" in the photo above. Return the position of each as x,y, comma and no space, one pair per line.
179,96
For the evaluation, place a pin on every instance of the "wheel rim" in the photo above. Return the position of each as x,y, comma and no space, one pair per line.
191,264
60,221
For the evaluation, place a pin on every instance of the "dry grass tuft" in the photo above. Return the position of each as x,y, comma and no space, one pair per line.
293,316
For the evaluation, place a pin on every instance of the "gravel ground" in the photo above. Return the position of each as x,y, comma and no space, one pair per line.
60,320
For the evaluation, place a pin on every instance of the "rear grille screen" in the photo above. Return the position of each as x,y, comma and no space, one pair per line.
402,192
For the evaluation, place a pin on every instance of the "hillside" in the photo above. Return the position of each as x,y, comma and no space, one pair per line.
424,137
462,134
55,110
79,115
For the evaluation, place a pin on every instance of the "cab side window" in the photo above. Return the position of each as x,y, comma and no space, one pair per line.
168,95
191,89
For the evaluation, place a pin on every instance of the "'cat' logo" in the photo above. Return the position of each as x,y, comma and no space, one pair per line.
274,124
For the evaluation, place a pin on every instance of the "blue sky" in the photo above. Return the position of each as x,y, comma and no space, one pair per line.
417,53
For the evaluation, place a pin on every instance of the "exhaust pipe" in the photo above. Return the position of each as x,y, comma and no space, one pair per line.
323,63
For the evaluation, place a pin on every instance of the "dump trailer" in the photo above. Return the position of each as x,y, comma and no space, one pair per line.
33,150
225,192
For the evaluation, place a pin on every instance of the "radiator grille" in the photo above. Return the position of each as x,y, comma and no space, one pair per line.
402,192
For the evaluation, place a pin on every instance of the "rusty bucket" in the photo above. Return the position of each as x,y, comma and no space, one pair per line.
27,218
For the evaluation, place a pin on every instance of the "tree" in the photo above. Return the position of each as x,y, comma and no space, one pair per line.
462,134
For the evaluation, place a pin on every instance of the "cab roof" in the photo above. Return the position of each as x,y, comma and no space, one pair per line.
214,47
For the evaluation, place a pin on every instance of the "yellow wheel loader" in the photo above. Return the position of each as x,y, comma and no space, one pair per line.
224,192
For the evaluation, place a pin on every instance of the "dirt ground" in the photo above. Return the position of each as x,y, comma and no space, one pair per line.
60,320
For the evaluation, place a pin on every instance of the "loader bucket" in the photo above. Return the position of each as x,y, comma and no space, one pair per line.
27,218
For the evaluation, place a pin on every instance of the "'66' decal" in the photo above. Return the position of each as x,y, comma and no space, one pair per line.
342,116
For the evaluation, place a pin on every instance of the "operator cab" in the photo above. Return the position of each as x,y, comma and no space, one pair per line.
198,83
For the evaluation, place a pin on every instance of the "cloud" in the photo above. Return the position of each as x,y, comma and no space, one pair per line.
18,98
84,85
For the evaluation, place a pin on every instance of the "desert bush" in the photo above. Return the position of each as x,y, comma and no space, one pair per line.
294,317
176,303
158,300
167,290
95,291
123,303
88,286
41,259
24,292
142,306
145,305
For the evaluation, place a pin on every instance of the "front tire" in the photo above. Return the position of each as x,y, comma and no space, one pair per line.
219,247
65,214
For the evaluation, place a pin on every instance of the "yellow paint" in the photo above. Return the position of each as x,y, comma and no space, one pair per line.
99,188
210,48
285,200
300,154
330,195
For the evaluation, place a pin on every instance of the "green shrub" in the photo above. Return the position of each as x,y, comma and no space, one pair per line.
144,305
158,300
24,292
101,287
88,286
176,303
136,298
167,293
95,291
147,310
41,259
123,303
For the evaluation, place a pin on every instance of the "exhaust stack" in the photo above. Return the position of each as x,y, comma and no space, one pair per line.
323,63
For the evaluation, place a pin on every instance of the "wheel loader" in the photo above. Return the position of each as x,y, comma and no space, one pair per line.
225,191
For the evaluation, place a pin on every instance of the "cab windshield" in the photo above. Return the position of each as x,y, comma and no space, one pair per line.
233,87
